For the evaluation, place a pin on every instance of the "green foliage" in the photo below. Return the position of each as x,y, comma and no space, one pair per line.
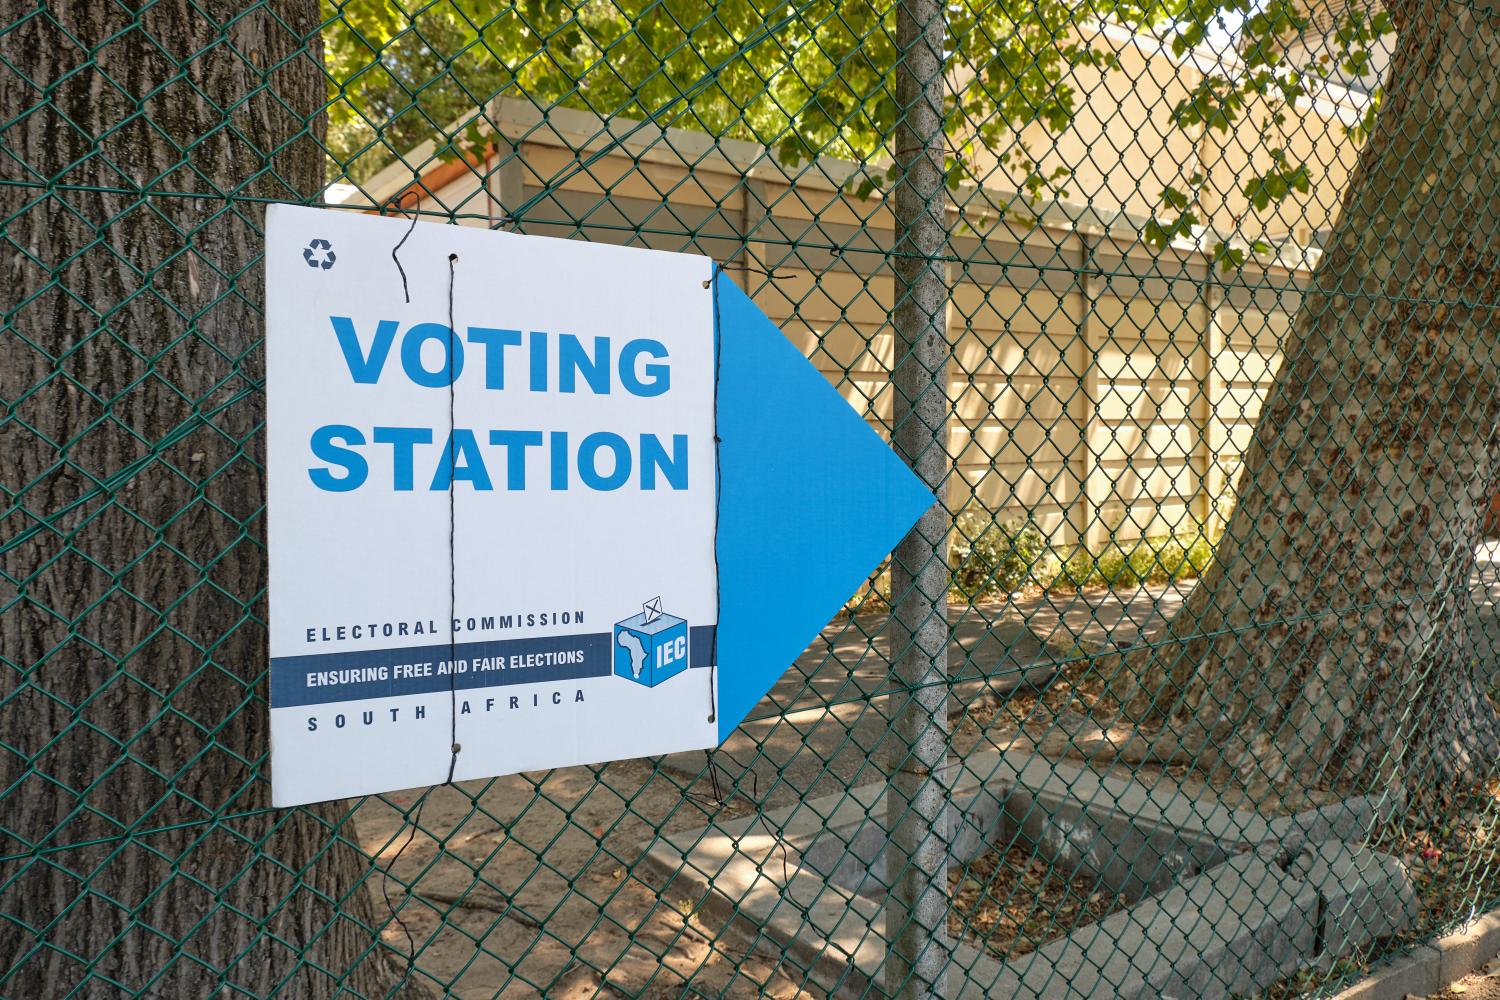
1160,231
1276,183
1361,131
989,558
1216,103
809,78
1355,35
812,78
1266,74
1230,256
1160,559
396,81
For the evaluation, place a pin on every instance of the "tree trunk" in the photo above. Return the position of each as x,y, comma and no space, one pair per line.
1325,646
140,855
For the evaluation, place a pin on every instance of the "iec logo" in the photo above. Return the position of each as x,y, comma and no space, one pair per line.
651,646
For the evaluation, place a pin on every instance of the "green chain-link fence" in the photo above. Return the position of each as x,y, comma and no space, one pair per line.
1184,309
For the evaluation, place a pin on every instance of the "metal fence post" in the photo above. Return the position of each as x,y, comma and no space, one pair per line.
916,804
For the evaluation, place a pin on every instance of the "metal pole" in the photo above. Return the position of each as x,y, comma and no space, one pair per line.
918,946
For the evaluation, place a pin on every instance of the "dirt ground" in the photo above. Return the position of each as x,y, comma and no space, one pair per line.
1482,985
1468,988
521,887
1012,902
526,886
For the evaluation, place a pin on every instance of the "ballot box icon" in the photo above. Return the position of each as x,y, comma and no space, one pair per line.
652,646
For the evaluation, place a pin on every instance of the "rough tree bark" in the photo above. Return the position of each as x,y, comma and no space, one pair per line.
1324,647
139,852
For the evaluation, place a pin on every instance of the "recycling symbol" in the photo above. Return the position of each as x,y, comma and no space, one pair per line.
319,253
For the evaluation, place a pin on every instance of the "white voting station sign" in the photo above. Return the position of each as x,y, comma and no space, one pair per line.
527,498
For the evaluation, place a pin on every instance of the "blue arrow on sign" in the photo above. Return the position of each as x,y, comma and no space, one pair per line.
810,500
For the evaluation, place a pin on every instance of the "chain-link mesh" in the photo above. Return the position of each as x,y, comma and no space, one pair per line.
1184,309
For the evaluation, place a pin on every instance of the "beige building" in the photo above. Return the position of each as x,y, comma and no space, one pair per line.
1101,389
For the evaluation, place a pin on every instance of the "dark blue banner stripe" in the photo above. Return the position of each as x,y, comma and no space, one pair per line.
321,678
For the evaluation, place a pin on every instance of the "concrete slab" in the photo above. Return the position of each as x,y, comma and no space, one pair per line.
1349,819
1240,926
1469,947
807,880
1415,973
1432,967
1363,894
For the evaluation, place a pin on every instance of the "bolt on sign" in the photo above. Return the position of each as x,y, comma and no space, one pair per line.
528,498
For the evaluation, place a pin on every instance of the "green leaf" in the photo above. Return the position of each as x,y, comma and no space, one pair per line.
1228,258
